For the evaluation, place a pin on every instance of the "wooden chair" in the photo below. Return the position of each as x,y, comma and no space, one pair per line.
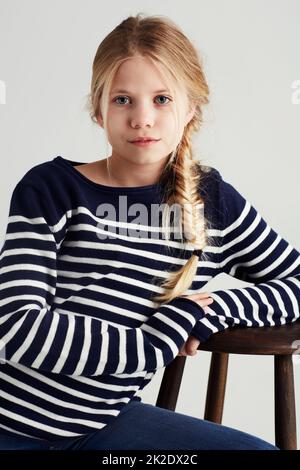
279,341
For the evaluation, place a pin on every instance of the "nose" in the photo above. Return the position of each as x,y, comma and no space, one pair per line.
142,116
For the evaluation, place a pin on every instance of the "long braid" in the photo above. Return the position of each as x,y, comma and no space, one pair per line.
185,192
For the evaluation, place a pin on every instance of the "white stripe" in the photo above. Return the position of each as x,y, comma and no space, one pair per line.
184,313
28,283
224,306
254,261
29,235
16,432
83,315
140,350
283,312
48,343
240,307
29,267
210,326
264,300
290,294
20,297
96,384
32,221
295,280
255,307
61,223
106,306
24,307
160,362
36,424
172,345
95,262
247,231
116,293
122,351
56,401
239,221
28,251
163,274
288,270
30,337
11,333
119,248
250,248
99,382
50,414
87,334
66,347
104,348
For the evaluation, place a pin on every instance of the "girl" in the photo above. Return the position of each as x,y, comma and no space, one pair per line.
95,299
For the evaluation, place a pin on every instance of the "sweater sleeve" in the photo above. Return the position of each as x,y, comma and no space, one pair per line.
253,252
33,334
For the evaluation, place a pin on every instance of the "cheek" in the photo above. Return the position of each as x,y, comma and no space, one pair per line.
115,116
167,125
116,125
171,123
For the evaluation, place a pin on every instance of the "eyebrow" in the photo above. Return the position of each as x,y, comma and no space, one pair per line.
129,92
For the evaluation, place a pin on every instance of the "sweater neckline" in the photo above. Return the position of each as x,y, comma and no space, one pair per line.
70,165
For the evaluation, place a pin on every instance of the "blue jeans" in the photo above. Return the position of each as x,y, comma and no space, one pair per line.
143,426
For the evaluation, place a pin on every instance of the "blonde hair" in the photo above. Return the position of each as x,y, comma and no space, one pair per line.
161,41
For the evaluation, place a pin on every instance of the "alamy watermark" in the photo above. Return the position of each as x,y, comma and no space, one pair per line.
2,92
117,219
295,97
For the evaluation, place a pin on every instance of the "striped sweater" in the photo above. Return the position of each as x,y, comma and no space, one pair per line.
79,333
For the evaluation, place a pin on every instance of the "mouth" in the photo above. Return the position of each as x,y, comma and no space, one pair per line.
144,142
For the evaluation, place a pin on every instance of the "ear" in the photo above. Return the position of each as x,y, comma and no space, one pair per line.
190,114
100,120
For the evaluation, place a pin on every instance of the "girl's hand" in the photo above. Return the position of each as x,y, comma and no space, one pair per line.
191,345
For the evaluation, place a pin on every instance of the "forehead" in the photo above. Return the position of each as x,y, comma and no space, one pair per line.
140,72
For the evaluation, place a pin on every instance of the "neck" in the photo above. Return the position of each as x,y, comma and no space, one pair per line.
123,173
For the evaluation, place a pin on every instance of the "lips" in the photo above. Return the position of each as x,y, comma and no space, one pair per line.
146,139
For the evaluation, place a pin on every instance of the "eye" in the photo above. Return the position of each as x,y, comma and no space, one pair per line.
163,96
115,100
118,98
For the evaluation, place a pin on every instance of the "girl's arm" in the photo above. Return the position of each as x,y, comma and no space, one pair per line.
251,251
35,335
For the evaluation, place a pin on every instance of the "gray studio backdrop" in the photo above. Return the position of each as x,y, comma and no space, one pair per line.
251,134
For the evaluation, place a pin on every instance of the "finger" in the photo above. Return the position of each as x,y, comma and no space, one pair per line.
199,296
204,302
197,293
194,341
187,354
191,350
